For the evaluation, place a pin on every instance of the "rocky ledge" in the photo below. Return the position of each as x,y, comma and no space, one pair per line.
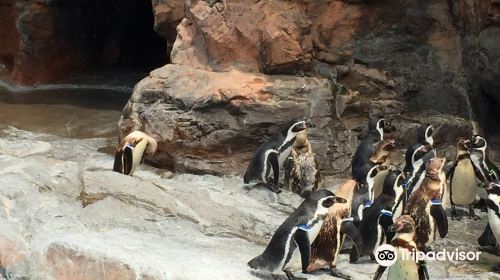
65,215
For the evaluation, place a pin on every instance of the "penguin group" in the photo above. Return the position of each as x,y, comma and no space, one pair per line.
381,204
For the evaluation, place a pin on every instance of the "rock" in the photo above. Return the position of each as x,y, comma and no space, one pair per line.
23,148
213,121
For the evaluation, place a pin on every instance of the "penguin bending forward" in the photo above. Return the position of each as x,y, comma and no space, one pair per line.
326,247
407,269
462,181
301,169
298,230
281,142
132,150
493,205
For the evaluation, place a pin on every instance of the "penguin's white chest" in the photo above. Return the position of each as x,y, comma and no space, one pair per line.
284,155
493,219
137,153
403,269
432,225
314,231
463,184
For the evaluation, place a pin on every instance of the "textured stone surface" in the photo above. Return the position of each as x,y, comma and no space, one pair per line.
149,227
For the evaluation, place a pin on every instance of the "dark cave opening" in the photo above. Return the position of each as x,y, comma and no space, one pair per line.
488,110
110,34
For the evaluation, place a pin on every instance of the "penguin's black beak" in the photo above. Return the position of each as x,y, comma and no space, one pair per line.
338,199
310,124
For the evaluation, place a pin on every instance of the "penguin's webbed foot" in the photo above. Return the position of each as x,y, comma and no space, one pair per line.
472,215
494,250
454,215
496,268
290,276
336,273
481,205
272,187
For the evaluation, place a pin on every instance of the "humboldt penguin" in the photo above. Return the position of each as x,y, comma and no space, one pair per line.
301,169
493,205
414,156
376,128
426,210
298,230
326,247
462,181
486,172
282,142
395,179
404,229
132,150
379,156
378,216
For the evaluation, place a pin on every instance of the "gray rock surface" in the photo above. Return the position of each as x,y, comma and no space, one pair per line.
65,215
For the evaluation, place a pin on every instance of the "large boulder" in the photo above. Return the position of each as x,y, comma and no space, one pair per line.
211,122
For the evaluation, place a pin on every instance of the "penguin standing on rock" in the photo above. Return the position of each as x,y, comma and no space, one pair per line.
417,155
301,169
462,181
378,216
132,150
338,225
493,205
376,129
404,228
486,172
282,143
298,230
425,209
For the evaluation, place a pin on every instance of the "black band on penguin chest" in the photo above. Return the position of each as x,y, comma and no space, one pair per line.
286,145
491,205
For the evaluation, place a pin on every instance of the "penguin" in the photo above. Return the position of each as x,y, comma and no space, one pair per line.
379,156
282,142
407,269
301,169
298,230
416,158
427,219
132,150
424,206
486,172
462,190
338,224
394,180
493,205
376,128
378,183
378,216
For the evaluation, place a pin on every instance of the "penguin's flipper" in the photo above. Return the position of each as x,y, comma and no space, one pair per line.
487,238
385,222
439,215
288,166
127,159
118,166
379,272
273,160
349,228
302,240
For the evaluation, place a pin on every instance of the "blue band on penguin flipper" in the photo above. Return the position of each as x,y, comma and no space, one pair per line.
304,227
386,213
129,146
436,202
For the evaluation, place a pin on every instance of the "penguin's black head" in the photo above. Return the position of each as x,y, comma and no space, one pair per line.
295,126
493,188
403,224
420,152
424,134
317,195
478,143
463,144
331,200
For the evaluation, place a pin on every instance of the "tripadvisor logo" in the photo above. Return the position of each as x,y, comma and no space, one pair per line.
387,255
